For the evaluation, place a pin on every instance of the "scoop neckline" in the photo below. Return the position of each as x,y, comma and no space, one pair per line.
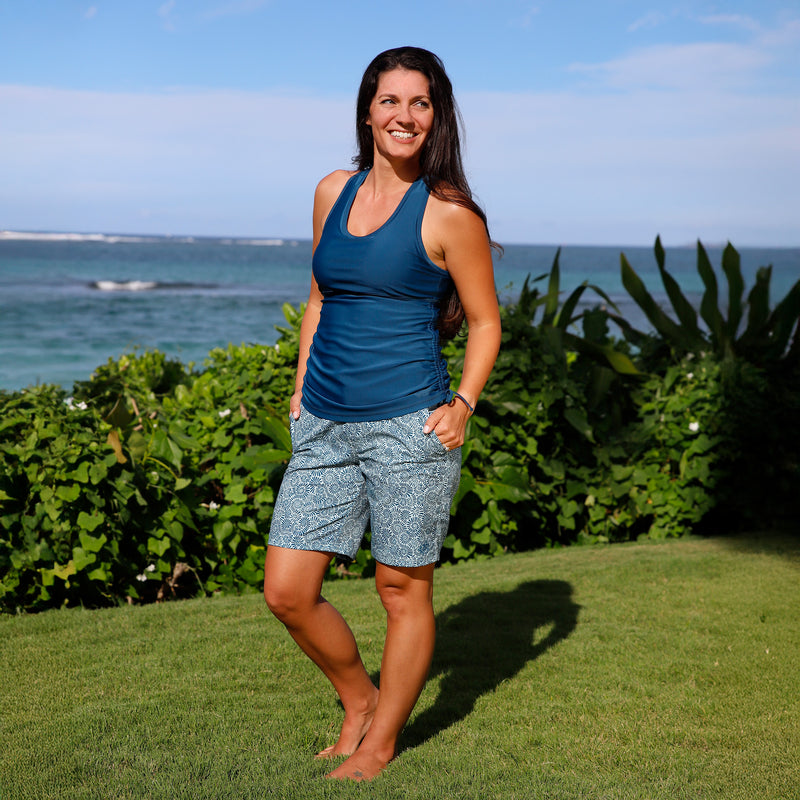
346,216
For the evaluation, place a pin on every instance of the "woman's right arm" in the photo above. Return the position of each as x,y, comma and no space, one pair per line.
327,192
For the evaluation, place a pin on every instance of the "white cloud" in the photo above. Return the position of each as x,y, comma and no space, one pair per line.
735,20
213,161
648,21
785,37
616,166
621,166
685,66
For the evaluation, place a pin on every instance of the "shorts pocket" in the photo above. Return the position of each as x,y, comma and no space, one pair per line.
431,443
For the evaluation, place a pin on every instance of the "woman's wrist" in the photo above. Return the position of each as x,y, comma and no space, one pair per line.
470,405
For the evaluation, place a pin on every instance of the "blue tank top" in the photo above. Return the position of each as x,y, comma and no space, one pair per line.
376,352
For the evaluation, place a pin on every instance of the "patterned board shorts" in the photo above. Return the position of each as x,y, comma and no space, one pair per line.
386,474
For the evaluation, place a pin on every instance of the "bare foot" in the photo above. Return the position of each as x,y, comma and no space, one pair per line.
354,729
360,766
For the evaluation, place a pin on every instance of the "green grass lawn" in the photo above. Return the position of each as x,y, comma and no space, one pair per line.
632,671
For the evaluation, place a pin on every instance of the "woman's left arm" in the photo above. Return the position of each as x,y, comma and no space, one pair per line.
456,239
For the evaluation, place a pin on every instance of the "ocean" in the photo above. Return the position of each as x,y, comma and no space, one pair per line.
68,302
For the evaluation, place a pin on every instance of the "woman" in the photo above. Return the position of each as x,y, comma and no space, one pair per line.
401,255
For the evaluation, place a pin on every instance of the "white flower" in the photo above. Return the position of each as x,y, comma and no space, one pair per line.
690,375
72,405
694,427
225,412
141,577
212,506
150,568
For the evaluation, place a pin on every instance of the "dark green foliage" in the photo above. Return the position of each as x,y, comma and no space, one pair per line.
68,493
150,482
758,405
564,448
155,480
766,336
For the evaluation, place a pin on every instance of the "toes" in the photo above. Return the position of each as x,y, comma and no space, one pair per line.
361,767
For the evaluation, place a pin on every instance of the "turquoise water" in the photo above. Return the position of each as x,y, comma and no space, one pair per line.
67,305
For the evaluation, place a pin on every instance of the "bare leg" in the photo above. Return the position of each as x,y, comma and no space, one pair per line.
292,586
407,595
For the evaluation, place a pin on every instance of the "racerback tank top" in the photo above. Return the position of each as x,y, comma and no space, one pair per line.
376,352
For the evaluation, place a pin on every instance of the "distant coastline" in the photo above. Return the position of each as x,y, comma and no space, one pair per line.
277,241
114,238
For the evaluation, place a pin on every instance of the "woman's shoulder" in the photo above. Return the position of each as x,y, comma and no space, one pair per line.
330,187
328,191
452,220
448,205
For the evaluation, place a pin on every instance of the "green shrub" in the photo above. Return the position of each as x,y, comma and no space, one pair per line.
156,480
551,459
152,481
77,517
769,334
758,407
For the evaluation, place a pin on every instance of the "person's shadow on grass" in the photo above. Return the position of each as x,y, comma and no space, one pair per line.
486,639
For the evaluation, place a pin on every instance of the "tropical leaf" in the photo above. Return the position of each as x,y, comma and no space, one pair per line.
732,267
758,314
603,353
783,320
529,298
683,308
636,337
564,317
277,430
673,333
551,303
709,305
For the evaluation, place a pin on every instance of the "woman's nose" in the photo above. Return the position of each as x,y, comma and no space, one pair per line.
404,116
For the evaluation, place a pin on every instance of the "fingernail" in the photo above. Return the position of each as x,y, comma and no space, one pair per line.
426,430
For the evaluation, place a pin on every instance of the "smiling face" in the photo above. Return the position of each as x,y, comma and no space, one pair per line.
400,114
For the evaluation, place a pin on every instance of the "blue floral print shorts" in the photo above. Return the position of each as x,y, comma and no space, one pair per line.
386,474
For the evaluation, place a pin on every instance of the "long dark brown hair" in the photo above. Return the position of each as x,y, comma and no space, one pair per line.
440,160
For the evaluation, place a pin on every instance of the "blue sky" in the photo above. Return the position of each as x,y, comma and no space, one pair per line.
586,122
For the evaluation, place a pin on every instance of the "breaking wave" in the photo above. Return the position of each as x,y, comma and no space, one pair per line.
106,238
145,286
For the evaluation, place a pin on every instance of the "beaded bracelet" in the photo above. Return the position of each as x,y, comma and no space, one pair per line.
464,401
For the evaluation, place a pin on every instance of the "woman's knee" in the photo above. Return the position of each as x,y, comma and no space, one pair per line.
405,590
289,603
292,582
281,599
